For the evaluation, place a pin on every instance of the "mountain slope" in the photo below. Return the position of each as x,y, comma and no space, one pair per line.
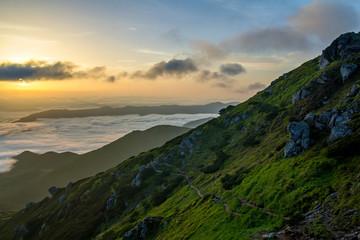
34,174
284,163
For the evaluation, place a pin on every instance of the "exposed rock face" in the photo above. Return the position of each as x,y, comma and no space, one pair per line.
137,181
337,133
345,46
62,198
300,138
53,190
68,187
29,204
346,70
300,95
111,201
143,227
354,90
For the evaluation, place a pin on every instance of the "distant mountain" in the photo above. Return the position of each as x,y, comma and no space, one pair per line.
140,110
196,123
33,174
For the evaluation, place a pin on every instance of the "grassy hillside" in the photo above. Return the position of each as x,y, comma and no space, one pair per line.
229,178
34,174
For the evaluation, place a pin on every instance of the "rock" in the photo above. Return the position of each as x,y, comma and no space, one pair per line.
346,45
298,130
137,181
111,201
188,143
53,191
198,132
300,139
346,70
129,235
17,229
354,90
62,198
29,204
68,186
300,95
310,118
332,120
319,126
235,120
337,133
324,118
226,110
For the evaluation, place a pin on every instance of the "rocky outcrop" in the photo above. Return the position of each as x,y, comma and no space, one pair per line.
300,95
354,91
346,70
347,45
337,133
53,191
29,204
150,224
111,201
68,187
137,181
62,198
300,139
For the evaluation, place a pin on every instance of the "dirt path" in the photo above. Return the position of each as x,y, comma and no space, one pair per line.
244,202
192,186
228,210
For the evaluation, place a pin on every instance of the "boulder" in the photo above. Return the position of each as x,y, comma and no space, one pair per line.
310,118
53,191
337,133
346,45
300,95
29,204
346,70
324,118
137,181
354,90
188,143
300,139
62,198
111,201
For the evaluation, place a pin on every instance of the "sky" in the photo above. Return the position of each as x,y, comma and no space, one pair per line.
224,50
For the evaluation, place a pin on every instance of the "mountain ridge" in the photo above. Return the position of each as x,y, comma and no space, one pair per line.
231,178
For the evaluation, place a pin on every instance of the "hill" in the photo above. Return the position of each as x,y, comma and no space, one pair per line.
141,110
33,174
284,164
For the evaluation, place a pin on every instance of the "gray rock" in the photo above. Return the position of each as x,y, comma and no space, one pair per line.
62,198
300,139
68,186
310,118
111,201
53,190
345,46
137,181
346,70
332,120
235,120
354,90
188,143
324,118
29,204
298,130
300,95
337,133
198,132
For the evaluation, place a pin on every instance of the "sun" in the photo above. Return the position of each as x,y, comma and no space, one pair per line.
22,83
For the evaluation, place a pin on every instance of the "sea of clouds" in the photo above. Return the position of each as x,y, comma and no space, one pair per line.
77,135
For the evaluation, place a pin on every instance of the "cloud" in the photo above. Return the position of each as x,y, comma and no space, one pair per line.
252,87
276,39
232,69
174,67
206,51
42,70
327,20
111,79
217,79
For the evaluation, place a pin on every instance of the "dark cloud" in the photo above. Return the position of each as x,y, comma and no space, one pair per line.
232,69
252,87
174,67
36,70
327,20
111,79
42,70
